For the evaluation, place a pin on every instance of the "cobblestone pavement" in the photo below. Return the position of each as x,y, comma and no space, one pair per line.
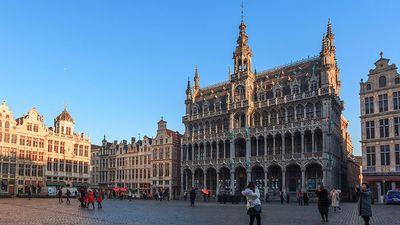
138,212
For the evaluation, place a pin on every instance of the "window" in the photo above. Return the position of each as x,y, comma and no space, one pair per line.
385,155
36,127
382,81
370,129
384,128
61,165
299,112
55,165
371,156
369,105
397,153
277,93
62,147
161,170
167,169
28,141
86,153
396,80
309,110
29,127
50,146
56,144
396,100
75,149
383,103
396,126
368,87
295,89
22,140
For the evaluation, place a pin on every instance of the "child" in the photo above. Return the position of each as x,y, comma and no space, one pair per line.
99,200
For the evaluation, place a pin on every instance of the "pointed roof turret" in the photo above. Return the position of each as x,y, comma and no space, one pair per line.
188,92
65,116
329,33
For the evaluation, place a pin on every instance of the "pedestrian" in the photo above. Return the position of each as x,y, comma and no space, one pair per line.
68,196
335,198
29,193
300,197
185,195
192,196
306,198
60,200
364,202
253,205
90,199
130,195
99,200
282,197
323,202
287,197
82,198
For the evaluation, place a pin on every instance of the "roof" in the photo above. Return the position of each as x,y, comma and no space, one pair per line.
65,116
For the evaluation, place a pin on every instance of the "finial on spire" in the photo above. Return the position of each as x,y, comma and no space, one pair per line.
241,12
65,105
329,33
381,54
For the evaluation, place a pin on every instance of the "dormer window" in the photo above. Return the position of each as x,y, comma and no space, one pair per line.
382,81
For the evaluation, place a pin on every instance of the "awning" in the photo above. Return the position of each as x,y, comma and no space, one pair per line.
55,183
85,185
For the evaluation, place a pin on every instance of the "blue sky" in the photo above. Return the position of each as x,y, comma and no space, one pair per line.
121,65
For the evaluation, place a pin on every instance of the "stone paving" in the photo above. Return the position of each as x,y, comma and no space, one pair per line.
138,212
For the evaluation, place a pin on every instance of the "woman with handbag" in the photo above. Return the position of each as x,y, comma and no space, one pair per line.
252,195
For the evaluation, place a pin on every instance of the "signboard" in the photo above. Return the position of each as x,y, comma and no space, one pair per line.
51,191
312,184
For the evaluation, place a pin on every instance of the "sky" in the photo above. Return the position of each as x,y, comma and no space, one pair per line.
120,66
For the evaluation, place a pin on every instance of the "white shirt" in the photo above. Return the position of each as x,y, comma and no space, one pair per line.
253,198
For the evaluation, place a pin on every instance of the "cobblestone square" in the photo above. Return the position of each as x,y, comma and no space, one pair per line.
138,212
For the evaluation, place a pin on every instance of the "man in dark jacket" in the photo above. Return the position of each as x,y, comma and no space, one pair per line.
192,196
323,202
364,203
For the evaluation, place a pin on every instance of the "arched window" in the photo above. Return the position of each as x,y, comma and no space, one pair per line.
309,110
257,119
299,111
318,109
7,125
368,87
382,81
273,116
290,113
278,93
314,86
240,92
295,89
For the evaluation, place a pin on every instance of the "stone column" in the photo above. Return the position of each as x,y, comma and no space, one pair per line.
248,148
217,149
193,179
217,186
292,143
193,152
232,181
313,141
266,181
302,144
284,180
379,189
324,177
257,147
204,179
182,153
303,179
273,144
283,145
182,185
265,145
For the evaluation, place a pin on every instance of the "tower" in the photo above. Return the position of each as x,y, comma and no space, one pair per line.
329,68
64,123
242,54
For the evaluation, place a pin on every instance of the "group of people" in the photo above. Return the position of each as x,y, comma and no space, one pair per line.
162,194
325,200
85,197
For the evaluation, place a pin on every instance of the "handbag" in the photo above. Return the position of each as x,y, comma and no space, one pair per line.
255,210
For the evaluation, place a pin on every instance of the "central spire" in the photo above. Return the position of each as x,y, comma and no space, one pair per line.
242,54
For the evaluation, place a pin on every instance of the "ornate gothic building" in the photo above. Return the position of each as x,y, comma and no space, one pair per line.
282,128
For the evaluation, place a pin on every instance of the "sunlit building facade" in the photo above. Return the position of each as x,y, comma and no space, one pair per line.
281,128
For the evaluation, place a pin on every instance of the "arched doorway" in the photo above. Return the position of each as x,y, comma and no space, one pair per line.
211,180
313,176
240,179
258,177
198,178
187,179
240,147
293,178
224,181
275,178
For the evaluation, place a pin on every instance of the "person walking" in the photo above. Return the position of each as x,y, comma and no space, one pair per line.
335,198
364,202
130,195
99,200
90,199
253,205
29,192
59,193
68,196
282,197
192,196
300,197
306,198
287,197
323,202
